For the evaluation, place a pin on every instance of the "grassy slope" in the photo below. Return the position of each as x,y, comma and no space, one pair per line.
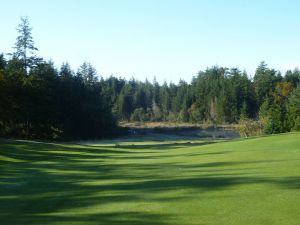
243,182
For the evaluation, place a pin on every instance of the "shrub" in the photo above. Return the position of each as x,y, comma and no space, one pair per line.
248,127
138,115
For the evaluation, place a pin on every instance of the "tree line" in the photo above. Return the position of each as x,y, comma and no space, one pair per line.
217,95
40,101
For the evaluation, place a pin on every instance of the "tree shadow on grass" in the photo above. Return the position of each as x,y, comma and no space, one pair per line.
165,146
54,183
100,218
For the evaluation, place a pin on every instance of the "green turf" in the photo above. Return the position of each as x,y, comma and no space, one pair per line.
241,182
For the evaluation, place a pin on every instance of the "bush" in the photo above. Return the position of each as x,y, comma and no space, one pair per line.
195,113
172,117
138,115
183,116
296,126
248,127
157,114
294,109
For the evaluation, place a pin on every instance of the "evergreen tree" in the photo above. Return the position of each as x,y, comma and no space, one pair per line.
294,109
39,101
24,46
88,73
66,72
265,80
293,77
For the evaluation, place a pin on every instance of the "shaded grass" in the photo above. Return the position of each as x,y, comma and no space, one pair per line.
255,181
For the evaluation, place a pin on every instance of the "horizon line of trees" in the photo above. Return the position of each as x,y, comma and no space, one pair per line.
40,101
217,95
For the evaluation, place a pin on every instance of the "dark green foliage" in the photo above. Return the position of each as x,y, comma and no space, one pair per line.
39,101
265,80
140,99
221,95
294,109
2,62
88,73
274,110
217,95
139,114
44,102
293,77
50,104
275,120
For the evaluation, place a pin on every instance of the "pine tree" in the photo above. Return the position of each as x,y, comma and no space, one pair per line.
24,46
88,73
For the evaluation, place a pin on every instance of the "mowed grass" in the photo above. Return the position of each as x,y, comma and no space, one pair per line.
241,182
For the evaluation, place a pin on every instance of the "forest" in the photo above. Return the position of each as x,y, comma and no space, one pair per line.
40,101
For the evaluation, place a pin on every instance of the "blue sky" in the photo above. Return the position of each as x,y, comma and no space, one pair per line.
169,39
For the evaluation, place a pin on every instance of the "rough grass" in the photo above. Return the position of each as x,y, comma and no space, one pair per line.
138,124
241,182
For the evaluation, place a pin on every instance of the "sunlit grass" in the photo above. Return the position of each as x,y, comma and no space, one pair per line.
254,181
